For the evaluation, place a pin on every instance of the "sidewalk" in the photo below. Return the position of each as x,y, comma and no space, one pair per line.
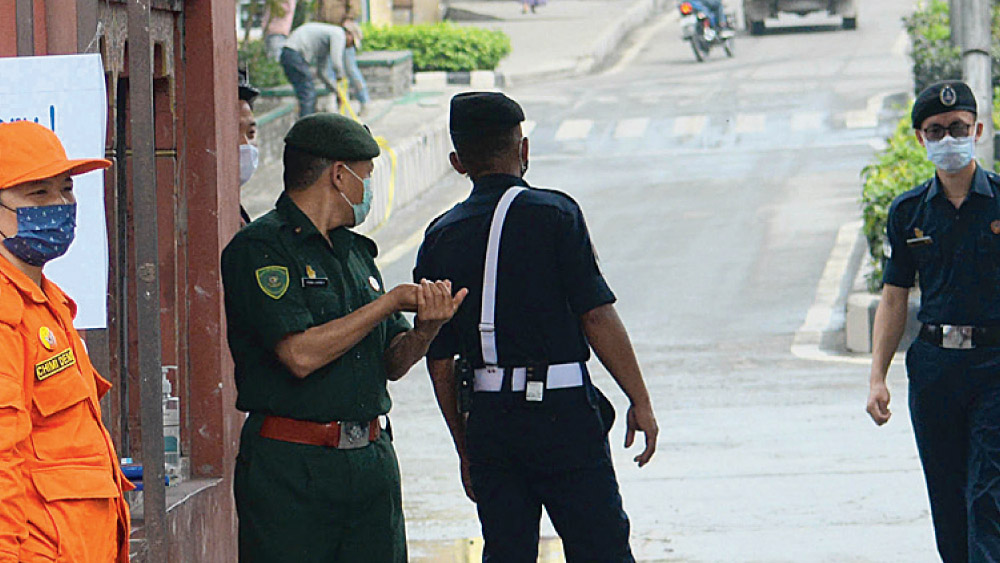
564,38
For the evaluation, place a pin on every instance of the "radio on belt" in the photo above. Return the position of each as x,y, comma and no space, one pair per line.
535,376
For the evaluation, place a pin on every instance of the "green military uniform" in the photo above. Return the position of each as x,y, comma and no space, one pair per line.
298,502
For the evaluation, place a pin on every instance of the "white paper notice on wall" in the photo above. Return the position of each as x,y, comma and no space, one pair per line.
66,93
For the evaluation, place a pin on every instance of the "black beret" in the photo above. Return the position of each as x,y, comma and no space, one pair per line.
333,136
247,92
942,97
472,112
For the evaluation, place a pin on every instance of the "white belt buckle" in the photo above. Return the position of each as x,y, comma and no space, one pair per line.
956,337
353,435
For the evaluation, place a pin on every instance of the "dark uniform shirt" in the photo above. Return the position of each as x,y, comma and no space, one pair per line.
960,267
281,277
547,276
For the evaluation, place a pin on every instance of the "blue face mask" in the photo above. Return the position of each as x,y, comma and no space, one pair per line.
360,209
951,154
43,233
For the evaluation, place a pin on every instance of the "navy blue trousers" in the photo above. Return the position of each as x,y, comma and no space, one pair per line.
955,410
554,455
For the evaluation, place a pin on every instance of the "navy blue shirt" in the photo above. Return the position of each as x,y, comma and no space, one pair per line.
547,276
955,251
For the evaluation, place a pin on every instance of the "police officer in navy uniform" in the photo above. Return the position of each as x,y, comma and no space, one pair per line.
537,431
946,232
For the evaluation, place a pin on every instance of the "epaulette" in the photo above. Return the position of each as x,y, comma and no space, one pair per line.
994,177
919,190
372,245
11,304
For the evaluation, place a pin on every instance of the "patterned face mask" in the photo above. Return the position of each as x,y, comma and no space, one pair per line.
43,233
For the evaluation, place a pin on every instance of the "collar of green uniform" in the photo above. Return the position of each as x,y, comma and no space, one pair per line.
980,185
341,238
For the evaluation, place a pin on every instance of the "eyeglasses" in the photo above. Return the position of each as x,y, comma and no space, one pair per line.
958,130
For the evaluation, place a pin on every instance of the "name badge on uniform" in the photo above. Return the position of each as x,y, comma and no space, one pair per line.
312,280
919,239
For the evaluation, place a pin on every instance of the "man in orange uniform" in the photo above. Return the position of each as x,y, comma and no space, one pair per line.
60,484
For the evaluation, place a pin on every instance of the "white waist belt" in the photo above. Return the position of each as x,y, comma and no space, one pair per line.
560,376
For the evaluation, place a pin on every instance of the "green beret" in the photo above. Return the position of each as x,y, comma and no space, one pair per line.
942,97
483,112
333,136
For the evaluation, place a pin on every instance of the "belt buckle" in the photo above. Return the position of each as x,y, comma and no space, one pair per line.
956,337
353,435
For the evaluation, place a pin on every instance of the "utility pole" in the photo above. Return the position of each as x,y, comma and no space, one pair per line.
977,68
955,19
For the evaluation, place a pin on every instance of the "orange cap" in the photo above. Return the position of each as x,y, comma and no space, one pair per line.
30,152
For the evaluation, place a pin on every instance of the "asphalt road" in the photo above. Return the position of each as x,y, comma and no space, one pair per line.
714,193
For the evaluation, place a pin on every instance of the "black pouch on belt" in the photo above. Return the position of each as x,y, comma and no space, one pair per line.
535,381
465,379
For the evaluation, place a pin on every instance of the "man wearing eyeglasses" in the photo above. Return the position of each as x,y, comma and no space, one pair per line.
947,230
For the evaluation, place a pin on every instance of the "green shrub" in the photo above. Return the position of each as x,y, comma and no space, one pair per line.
934,57
441,46
264,71
901,166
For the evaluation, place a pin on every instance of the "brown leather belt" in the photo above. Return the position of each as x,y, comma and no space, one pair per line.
340,435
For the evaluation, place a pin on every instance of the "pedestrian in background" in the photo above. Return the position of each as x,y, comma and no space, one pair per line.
531,5
346,13
278,28
61,488
315,338
946,231
537,429
249,155
318,46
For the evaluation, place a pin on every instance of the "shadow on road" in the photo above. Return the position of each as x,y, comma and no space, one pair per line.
790,29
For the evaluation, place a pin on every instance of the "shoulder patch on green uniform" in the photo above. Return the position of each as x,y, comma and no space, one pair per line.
273,280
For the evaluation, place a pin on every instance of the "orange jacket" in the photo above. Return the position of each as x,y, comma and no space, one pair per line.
60,483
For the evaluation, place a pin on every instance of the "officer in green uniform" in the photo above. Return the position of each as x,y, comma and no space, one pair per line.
315,337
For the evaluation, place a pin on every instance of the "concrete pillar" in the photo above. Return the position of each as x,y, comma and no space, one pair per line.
977,69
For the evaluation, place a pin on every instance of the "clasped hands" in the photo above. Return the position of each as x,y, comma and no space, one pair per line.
433,303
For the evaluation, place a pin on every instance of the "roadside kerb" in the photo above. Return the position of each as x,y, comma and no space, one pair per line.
611,39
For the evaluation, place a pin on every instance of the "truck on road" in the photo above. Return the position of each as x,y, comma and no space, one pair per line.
756,11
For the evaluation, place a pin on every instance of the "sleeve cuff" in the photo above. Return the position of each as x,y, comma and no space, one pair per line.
282,327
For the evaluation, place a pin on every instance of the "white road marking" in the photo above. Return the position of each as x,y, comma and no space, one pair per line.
527,127
573,129
861,119
690,125
749,123
631,128
868,117
807,121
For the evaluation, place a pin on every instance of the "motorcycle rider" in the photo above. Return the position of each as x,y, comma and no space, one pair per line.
714,10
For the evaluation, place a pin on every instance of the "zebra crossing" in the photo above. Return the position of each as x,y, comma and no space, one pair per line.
693,127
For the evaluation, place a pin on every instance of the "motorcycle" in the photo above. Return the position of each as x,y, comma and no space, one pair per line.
696,28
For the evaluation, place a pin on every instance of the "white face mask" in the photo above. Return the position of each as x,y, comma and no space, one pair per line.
951,154
249,156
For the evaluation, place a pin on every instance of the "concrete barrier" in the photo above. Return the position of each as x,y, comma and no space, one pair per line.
419,161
